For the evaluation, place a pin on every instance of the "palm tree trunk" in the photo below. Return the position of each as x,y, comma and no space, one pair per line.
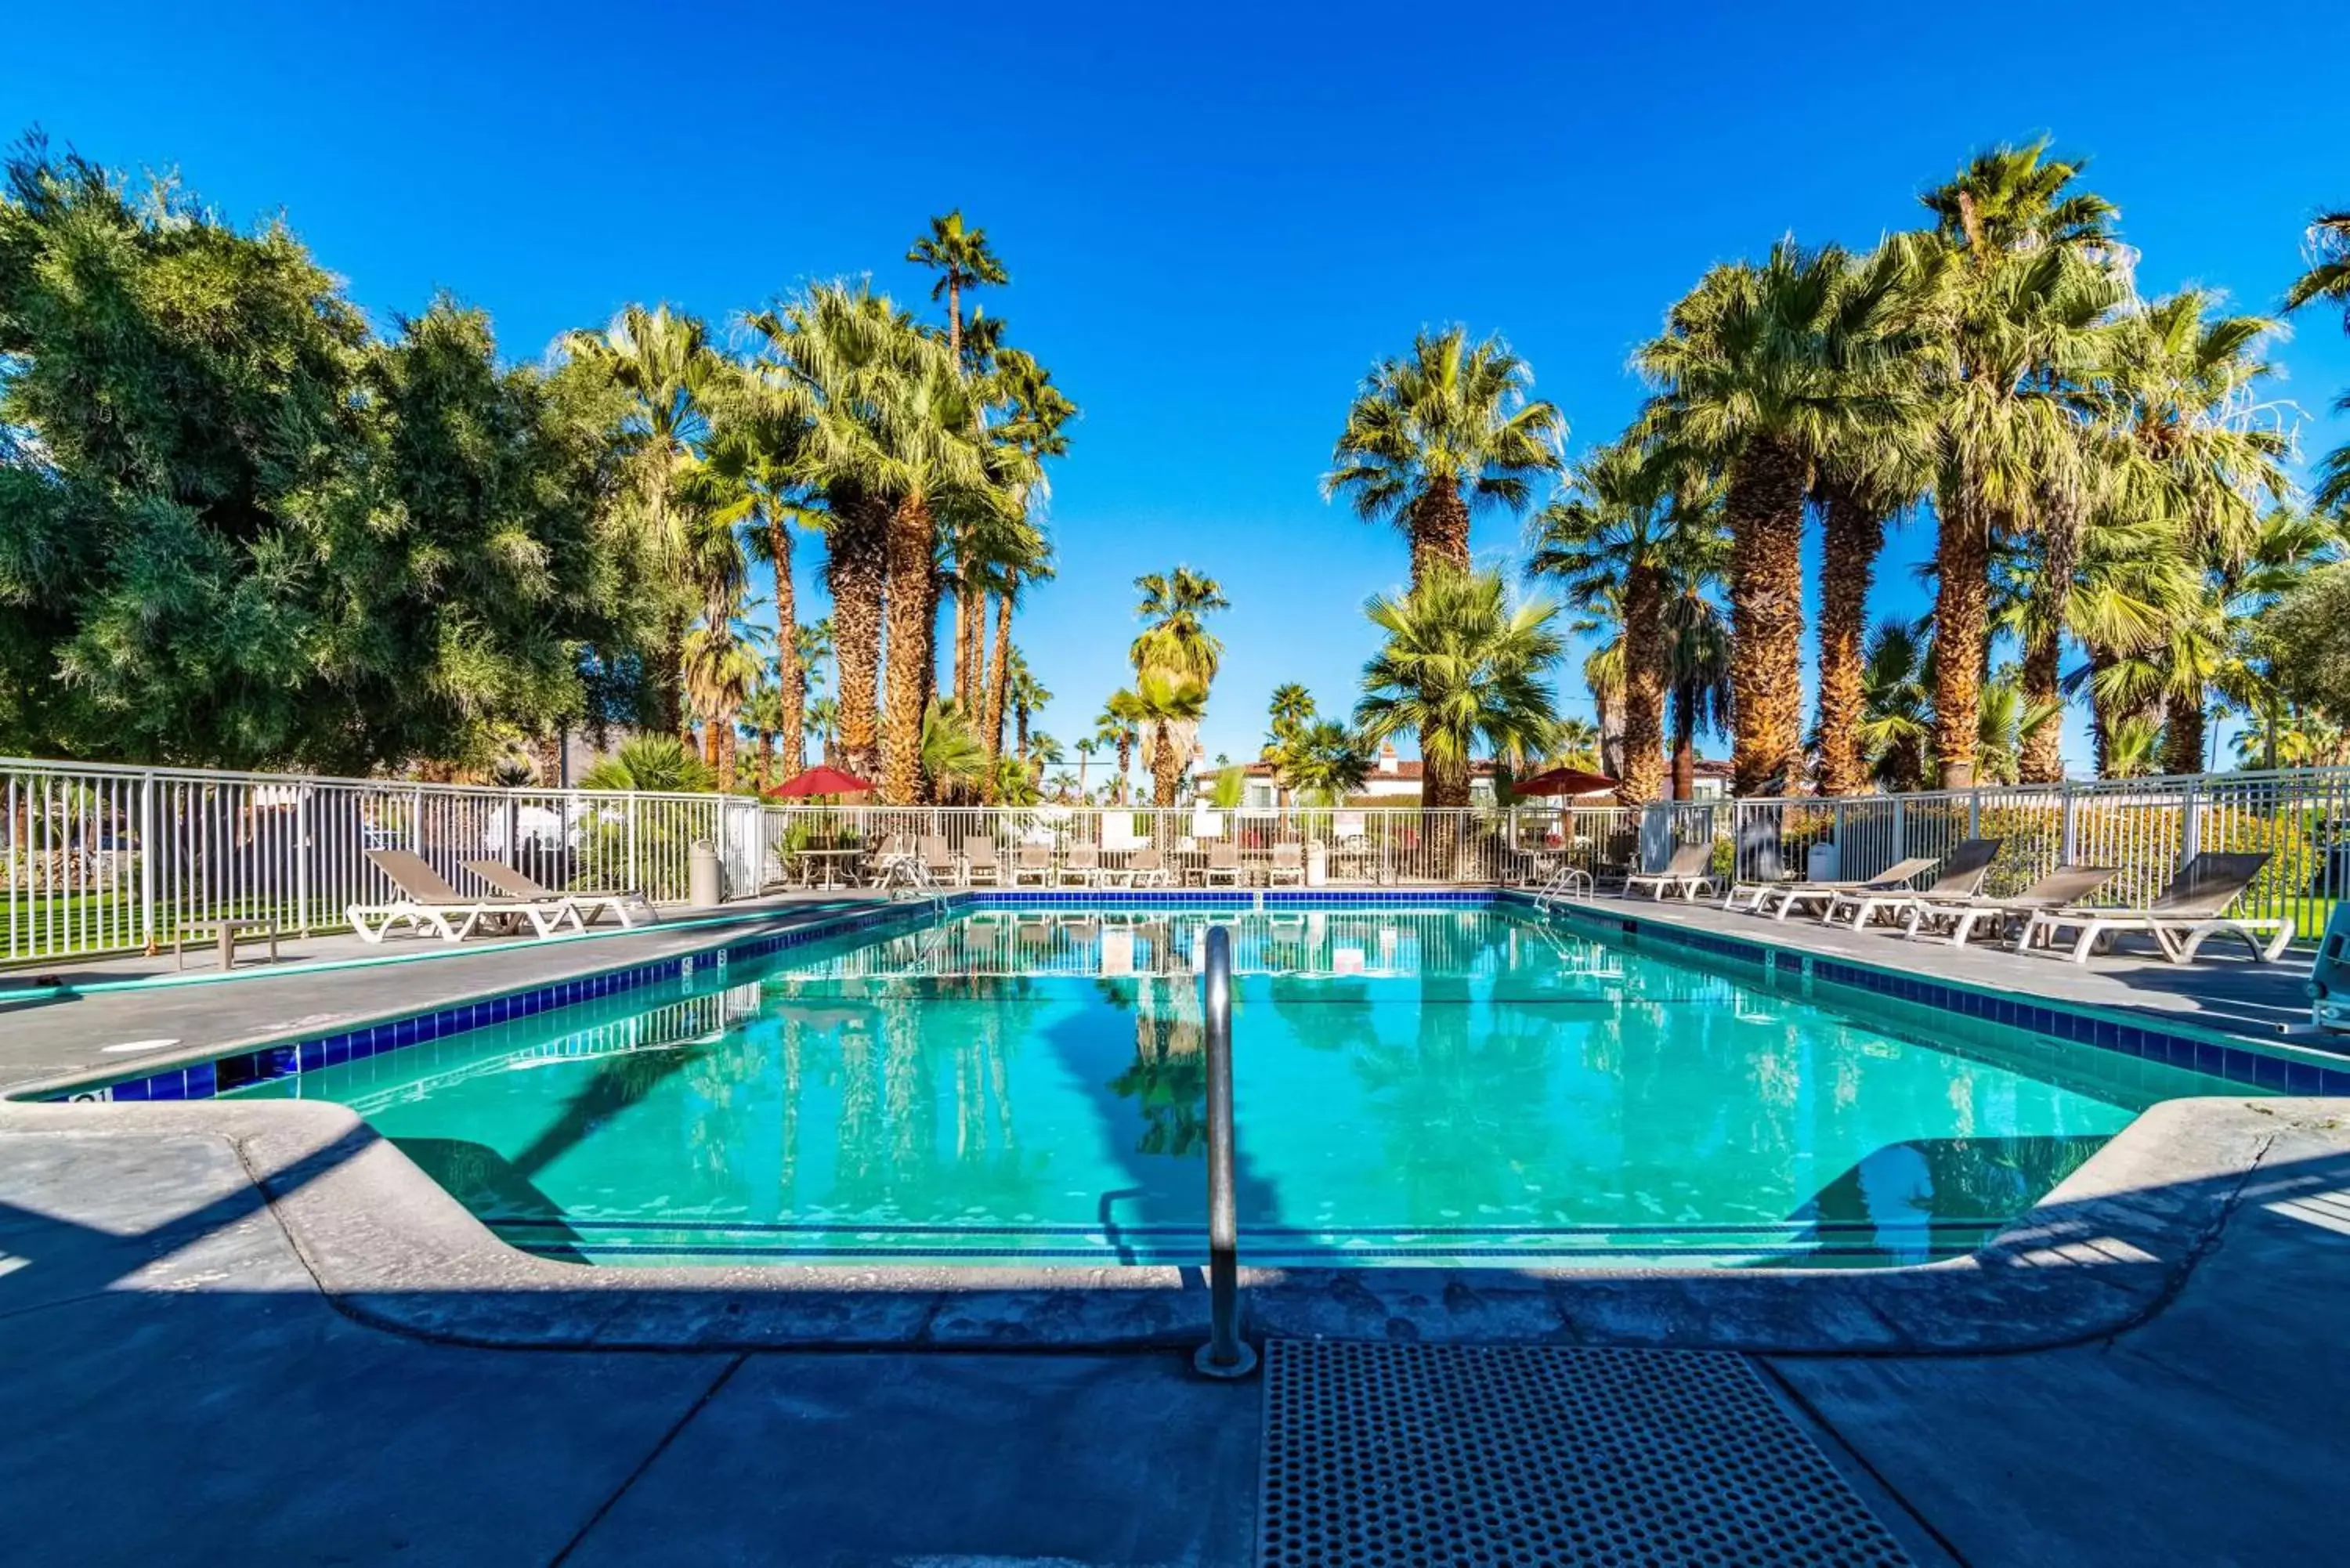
2103,715
1764,509
998,677
791,681
2042,758
1165,765
1642,780
766,763
1440,531
1125,766
1962,628
1684,749
1856,532
912,613
724,727
2183,737
675,718
855,567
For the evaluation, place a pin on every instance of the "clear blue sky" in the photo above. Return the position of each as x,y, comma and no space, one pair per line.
1215,219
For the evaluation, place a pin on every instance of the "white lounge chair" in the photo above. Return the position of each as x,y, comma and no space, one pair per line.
939,866
1779,899
1689,872
1033,863
1080,866
2189,913
980,864
1957,919
1961,877
1147,868
631,909
1288,865
1224,861
427,902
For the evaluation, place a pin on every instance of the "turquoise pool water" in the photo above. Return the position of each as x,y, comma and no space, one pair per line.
1412,1086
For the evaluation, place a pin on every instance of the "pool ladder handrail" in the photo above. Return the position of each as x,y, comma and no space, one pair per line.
1226,1355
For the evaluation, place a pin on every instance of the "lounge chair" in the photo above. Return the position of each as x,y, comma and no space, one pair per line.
1618,859
1034,863
1288,865
1224,861
1781,899
2190,912
1147,868
1957,919
1689,872
630,909
939,864
1080,867
1961,877
428,902
980,864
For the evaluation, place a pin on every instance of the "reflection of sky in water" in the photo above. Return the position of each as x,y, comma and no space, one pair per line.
1410,1086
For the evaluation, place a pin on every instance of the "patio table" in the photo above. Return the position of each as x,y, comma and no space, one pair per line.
832,862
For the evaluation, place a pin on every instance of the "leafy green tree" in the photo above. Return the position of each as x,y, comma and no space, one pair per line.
1325,762
2328,278
963,261
1167,705
1173,634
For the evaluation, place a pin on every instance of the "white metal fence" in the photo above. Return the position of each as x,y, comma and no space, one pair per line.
97,859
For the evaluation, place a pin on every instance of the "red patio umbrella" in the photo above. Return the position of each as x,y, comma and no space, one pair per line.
1563,781
822,781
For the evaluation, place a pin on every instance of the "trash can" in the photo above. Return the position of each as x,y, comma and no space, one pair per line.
704,889
1820,863
1317,863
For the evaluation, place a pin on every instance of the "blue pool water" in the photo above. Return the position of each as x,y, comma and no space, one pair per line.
1413,1085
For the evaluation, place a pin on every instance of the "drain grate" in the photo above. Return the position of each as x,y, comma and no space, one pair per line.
1409,1454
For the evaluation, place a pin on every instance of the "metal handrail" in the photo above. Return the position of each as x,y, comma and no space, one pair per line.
1226,1353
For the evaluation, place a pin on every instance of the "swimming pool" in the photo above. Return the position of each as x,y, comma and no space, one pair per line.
1415,1084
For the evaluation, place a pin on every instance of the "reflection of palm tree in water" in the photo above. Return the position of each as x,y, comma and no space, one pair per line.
1467,1103
1168,1078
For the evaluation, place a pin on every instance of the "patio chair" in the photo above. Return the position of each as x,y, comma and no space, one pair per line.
1288,865
1961,877
1147,868
939,864
1034,863
1618,859
1224,861
1688,871
1781,899
630,909
980,864
2189,913
1080,867
1957,919
427,902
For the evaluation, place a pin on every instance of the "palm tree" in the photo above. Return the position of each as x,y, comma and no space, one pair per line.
953,757
962,260
1118,724
1026,694
722,667
1173,636
1464,669
1167,706
660,764
1440,435
1623,536
2014,282
1896,725
1750,380
664,364
824,727
1699,660
2328,278
1575,744
1085,748
1323,762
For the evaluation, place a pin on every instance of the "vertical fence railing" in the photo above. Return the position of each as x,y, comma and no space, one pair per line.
97,859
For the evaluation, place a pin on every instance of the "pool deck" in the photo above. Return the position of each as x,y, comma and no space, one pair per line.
242,1332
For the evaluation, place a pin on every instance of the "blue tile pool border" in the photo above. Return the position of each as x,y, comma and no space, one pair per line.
2085,1027
2128,1036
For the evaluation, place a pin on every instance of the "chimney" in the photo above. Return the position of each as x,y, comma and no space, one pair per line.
1387,764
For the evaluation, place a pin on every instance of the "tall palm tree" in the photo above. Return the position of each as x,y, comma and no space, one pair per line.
961,258
1026,694
1440,435
1325,761
1464,670
1624,536
1085,747
1174,636
1287,715
2015,281
1167,705
1750,379
1117,725
664,362
2328,278
1896,726
1699,660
